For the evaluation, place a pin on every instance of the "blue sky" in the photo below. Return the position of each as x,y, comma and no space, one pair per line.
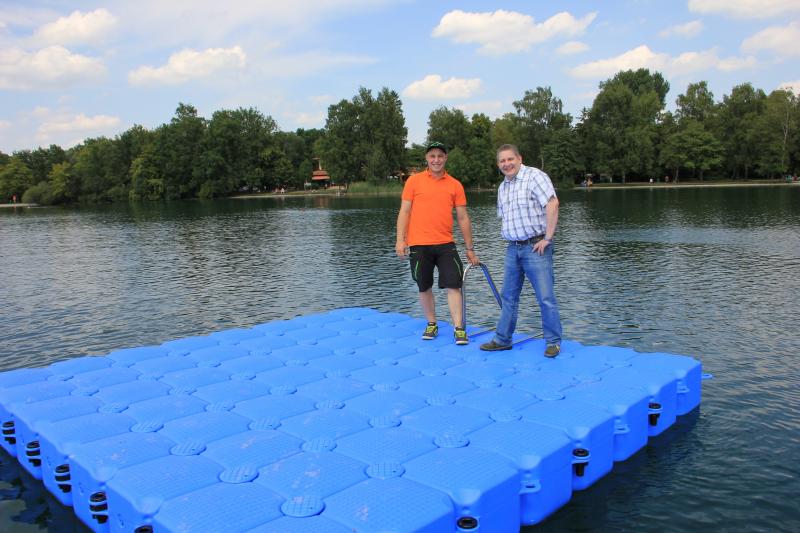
72,70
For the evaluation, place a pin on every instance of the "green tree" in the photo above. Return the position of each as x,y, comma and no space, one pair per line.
96,171
391,134
299,149
234,149
504,130
696,104
691,147
621,127
62,186
642,82
146,180
561,155
773,129
539,115
449,126
41,160
15,179
364,138
738,114
343,144
179,146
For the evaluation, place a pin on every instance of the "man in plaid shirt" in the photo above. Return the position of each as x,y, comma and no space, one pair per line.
528,207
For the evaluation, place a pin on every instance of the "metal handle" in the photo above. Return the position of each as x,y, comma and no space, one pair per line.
464,291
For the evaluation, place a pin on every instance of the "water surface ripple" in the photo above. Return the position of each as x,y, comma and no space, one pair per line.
712,273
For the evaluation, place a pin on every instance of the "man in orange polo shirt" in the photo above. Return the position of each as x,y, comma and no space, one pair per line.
425,233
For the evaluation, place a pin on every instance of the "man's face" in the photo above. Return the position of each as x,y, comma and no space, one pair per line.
509,163
436,159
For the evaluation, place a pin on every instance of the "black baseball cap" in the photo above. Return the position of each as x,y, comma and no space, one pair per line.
430,146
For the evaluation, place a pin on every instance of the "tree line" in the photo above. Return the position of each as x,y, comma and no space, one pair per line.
626,135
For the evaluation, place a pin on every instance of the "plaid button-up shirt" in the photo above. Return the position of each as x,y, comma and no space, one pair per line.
521,203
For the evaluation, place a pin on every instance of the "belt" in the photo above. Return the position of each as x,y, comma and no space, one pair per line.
531,240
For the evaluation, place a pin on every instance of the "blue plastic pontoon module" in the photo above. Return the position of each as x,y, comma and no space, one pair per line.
334,422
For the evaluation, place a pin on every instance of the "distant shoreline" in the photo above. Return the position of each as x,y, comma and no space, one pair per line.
19,205
598,186
635,185
688,185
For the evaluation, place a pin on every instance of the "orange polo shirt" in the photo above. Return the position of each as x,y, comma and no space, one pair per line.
432,203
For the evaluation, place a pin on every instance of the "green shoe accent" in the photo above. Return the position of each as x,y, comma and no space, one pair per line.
460,336
431,331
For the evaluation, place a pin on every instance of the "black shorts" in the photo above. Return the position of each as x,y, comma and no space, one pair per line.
442,256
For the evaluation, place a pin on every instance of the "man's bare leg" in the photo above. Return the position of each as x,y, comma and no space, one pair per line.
428,305
454,301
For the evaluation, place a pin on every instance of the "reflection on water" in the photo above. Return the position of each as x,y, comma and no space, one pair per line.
713,273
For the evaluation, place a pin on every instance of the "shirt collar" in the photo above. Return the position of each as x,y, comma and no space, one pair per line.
431,176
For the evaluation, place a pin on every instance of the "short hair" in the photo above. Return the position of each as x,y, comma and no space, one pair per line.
507,146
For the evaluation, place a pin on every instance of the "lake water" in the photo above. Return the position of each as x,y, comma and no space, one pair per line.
709,272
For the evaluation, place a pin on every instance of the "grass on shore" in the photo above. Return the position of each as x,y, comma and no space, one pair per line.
363,187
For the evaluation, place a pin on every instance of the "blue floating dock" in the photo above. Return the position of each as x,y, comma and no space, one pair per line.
337,422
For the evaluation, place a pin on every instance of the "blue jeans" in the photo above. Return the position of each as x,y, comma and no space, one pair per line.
522,262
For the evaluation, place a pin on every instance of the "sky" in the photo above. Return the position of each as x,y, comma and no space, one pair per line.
71,70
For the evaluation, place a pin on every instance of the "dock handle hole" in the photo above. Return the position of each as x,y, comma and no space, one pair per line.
653,416
62,477
467,522
8,432
32,452
143,529
98,505
582,455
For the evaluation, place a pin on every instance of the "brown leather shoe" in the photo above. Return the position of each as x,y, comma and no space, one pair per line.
552,350
492,346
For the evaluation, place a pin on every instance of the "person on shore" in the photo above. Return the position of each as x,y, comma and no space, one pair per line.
425,235
528,207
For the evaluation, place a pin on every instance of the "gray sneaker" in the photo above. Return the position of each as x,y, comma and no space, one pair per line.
552,350
492,346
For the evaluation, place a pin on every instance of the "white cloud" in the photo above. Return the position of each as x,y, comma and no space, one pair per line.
39,112
190,64
185,22
793,86
643,57
749,9
730,64
308,64
572,47
309,120
67,130
80,123
78,28
491,108
433,86
5,124
503,31
321,99
781,40
690,29
51,67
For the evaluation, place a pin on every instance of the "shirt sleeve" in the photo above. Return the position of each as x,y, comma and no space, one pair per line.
459,197
542,188
408,190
